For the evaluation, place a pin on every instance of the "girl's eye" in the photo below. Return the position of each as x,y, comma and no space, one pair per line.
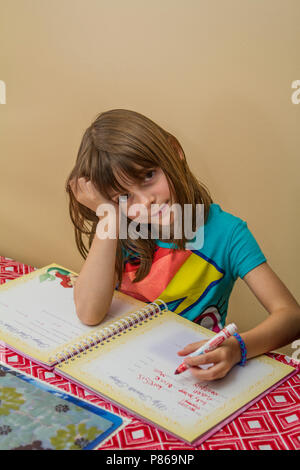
149,175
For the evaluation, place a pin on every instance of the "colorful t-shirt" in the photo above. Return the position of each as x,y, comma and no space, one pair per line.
196,283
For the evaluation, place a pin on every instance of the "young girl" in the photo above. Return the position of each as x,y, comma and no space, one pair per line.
125,153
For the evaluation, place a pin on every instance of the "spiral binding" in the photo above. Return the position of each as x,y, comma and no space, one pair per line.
109,331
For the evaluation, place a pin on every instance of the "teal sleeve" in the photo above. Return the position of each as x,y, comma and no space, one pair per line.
244,252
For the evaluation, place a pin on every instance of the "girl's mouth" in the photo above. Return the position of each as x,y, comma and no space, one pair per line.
162,209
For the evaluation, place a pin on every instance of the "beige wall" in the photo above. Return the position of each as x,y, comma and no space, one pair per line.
216,73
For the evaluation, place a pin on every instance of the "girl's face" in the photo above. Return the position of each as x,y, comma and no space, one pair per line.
154,189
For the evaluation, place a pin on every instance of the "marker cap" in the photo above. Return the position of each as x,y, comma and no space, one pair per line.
231,328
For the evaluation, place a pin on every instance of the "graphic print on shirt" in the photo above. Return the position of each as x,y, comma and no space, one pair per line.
182,279
210,318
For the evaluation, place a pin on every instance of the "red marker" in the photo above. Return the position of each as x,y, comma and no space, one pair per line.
212,344
181,368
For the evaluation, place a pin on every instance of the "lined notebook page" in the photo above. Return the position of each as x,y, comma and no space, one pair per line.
42,315
137,371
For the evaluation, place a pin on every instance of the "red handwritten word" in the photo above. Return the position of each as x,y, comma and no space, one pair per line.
160,372
187,404
148,381
162,381
202,394
185,392
196,399
205,388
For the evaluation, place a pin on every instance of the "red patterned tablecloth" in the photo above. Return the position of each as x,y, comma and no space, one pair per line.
271,423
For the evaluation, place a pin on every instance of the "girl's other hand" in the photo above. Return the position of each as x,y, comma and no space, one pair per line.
223,359
86,193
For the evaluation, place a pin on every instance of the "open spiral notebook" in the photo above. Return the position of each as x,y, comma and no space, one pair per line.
130,358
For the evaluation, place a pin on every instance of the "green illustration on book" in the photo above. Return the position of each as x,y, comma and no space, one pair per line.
67,277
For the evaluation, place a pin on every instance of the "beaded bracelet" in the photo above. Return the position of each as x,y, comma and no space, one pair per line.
243,349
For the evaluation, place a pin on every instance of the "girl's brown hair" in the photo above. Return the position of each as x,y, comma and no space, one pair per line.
115,143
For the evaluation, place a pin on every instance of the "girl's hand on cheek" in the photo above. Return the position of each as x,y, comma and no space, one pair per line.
223,359
86,194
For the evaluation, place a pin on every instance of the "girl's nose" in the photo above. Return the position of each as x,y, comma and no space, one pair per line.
146,199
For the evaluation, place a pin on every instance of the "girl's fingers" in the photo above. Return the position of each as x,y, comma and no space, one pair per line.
88,187
190,348
207,358
91,188
86,193
82,185
215,372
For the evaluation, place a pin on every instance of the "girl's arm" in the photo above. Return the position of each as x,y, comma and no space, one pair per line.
280,328
283,324
94,287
